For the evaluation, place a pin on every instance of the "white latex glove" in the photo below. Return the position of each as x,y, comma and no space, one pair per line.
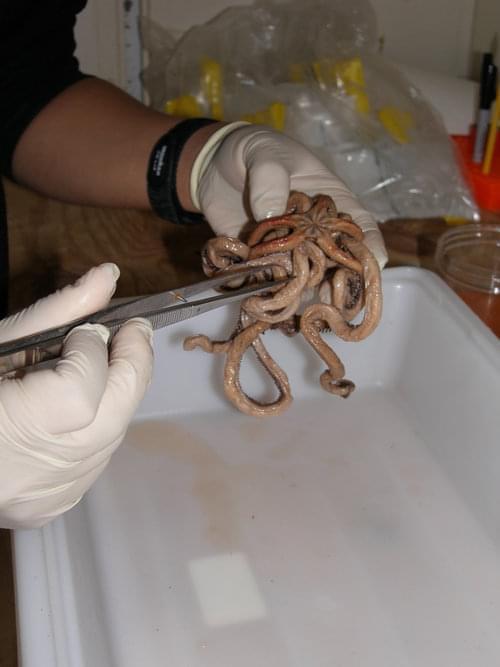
59,428
270,164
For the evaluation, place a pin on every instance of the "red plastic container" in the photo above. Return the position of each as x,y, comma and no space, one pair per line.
485,187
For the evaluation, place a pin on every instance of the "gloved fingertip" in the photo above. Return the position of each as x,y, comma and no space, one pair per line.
268,206
382,261
99,329
109,272
375,242
112,268
131,357
145,327
269,187
231,231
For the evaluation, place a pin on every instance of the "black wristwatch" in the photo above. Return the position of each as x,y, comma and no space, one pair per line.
162,172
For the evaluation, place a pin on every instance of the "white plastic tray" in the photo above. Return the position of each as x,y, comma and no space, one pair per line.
348,533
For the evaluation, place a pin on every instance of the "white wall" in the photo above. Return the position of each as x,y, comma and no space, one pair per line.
437,35
433,35
99,40
486,31
430,34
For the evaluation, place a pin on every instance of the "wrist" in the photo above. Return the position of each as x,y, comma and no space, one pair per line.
163,171
204,156
190,152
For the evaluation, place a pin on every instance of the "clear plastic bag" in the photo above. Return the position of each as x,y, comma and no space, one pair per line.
312,71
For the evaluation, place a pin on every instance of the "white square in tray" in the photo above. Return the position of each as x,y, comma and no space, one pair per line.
359,532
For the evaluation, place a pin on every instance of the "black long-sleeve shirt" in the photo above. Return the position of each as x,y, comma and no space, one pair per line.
37,62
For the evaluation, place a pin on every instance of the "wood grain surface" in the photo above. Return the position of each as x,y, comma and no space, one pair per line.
52,243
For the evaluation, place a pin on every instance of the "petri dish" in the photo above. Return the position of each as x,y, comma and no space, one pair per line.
468,259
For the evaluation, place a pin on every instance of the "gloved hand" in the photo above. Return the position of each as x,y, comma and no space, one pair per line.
272,164
59,428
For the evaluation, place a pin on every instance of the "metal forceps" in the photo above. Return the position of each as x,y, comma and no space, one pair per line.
160,309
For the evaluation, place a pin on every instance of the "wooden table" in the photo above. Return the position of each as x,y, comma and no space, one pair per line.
51,244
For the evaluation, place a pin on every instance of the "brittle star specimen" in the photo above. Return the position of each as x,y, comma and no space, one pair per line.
323,254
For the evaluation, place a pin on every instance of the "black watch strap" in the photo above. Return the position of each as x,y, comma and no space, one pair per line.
162,172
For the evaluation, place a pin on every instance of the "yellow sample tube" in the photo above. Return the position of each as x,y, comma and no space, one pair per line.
492,135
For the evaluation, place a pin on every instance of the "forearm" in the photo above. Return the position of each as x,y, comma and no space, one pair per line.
91,145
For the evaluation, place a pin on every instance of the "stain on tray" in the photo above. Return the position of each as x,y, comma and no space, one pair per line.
177,442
